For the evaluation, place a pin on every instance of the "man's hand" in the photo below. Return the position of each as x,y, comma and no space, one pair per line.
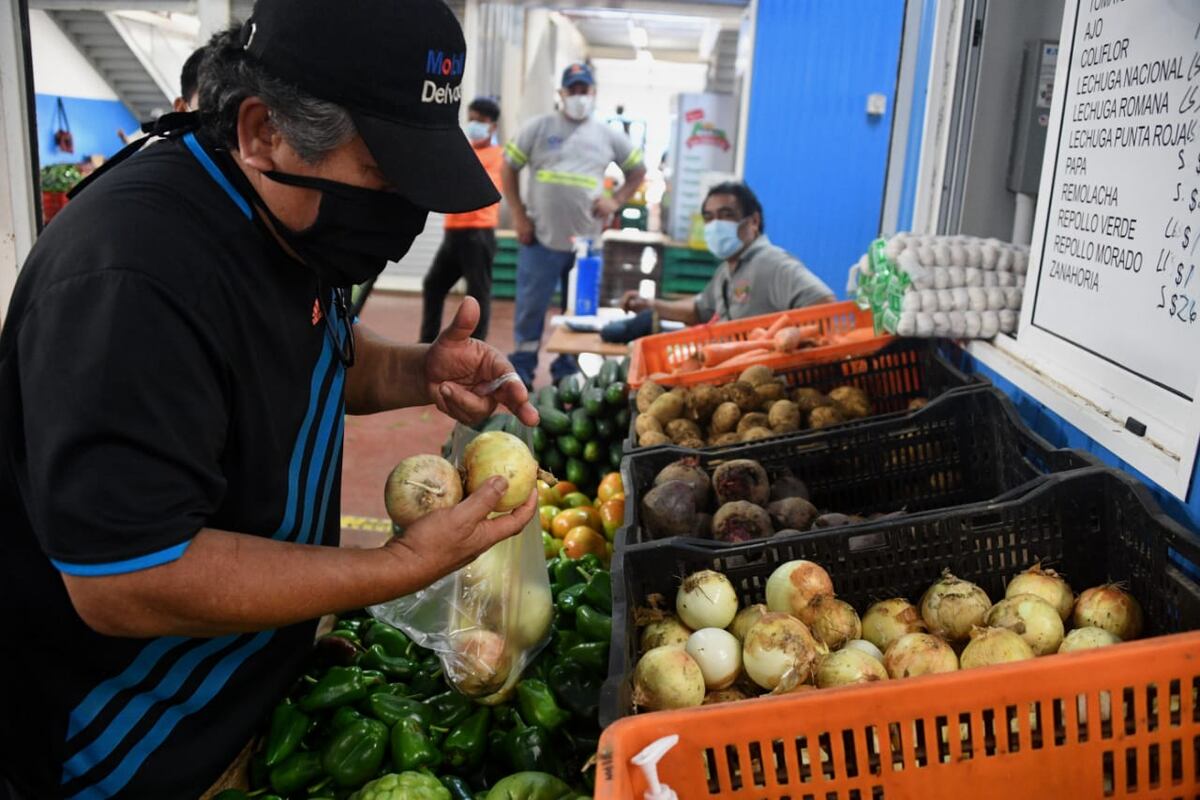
632,301
604,207
524,228
446,540
458,370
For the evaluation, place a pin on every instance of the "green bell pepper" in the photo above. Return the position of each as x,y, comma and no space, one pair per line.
598,591
375,657
568,599
412,747
428,680
449,708
593,625
528,748
537,704
458,788
531,786
564,640
339,686
393,641
464,745
344,716
354,625
390,709
576,687
565,572
288,726
295,772
355,752
593,655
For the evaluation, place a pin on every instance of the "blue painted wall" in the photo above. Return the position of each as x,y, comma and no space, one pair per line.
94,125
814,157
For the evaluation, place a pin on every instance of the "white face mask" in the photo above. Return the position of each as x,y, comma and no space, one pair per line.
578,106
477,131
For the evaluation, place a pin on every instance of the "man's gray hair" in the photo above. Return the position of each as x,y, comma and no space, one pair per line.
313,127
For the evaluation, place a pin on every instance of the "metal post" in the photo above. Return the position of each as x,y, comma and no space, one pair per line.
18,159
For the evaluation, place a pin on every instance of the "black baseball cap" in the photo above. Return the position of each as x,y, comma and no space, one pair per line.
397,67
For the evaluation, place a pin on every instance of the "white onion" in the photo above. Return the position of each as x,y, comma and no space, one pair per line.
1031,618
725,696
418,485
792,586
779,645
888,620
706,599
1111,608
1087,639
866,647
849,666
1046,584
916,654
500,453
951,607
718,654
667,677
532,617
480,662
666,632
993,646
745,618
833,622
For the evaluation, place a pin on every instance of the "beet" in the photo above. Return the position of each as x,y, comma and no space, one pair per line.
688,470
788,485
835,520
741,479
740,521
792,512
669,509
704,525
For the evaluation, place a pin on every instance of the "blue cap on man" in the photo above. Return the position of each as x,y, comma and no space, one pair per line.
577,73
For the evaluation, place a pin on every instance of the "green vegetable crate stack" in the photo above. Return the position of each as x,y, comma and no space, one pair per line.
374,719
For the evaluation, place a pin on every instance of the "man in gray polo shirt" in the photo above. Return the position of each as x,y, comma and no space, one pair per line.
756,278
567,152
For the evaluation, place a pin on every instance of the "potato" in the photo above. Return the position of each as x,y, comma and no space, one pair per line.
679,429
784,417
754,434
691,442
721,439
667,407
756,375
702,401
809,398
769,392
682,391
646,395
917,403
741,393
755,419
643,423
725,418
824,416
851,401
652,438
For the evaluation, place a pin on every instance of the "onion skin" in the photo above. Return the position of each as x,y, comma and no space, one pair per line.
746,618
846,667
500,453
418,485
706,599
666,632
915,654
724,696
993,646
776,646
718,654
480,664
866,647
1087,639
833,622
792,586
666,678
1031,618
952,607
1046,584
1111,608
888,620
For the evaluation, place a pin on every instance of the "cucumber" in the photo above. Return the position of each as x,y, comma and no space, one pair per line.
547,396
582,426
593,451
496,422
578,472
514,426
622,418
617,394
605,428
593,401
539,439
554,421
569,446
552,460
610,371
568,390
614,455
624,369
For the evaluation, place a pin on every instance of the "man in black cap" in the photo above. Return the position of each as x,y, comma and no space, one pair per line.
174,370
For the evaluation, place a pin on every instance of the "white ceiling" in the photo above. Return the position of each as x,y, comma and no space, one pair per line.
665,32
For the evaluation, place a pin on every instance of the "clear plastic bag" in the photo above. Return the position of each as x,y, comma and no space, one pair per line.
488,620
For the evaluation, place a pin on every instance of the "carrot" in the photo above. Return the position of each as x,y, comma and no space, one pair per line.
758,334
788,340
779,324
713,354
856,335
690,364
749,357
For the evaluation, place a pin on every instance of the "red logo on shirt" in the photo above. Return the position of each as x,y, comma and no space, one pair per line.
316,315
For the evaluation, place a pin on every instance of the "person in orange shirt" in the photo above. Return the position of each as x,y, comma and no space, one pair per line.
469,244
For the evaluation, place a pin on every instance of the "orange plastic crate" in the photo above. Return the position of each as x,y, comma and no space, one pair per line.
1001,733
662,352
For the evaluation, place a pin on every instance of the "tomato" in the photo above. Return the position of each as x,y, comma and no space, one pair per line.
564,488
576,500
550,546
612,516
581,540
570,518
547,495
611,485
546,515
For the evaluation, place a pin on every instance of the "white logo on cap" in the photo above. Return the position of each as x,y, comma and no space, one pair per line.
440,95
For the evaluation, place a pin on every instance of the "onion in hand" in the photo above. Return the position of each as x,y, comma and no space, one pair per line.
418,485
500,453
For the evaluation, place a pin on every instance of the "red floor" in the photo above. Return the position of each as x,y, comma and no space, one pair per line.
375,443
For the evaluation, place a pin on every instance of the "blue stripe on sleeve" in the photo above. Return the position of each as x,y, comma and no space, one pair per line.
121,567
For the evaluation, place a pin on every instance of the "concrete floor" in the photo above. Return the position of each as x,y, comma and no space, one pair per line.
374,444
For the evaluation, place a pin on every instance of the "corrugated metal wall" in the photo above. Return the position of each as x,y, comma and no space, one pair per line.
815,158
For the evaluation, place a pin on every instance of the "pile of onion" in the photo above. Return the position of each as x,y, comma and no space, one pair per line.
792,586
718,654
1087,639
833,622
888,620
849,666
745,618
1046,584
665,678
706,599
1031,618
993,646
916,654
952,607
779,646
666,632
1112,608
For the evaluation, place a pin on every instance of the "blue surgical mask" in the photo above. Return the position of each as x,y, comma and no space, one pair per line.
477,131
721,236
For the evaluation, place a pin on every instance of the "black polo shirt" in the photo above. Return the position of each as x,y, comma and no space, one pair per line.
163,367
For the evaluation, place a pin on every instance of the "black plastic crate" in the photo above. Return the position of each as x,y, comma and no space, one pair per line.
967,446
893,377
1093,525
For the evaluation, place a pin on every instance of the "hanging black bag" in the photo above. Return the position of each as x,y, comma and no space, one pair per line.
63,139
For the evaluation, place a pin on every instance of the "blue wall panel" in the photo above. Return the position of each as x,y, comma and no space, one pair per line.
94,125
814,157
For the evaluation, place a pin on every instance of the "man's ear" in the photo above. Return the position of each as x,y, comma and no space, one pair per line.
179,105
256,134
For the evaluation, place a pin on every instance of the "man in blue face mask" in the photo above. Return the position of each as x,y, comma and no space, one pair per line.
756,278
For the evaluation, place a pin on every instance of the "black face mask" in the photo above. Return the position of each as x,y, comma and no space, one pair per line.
357,231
